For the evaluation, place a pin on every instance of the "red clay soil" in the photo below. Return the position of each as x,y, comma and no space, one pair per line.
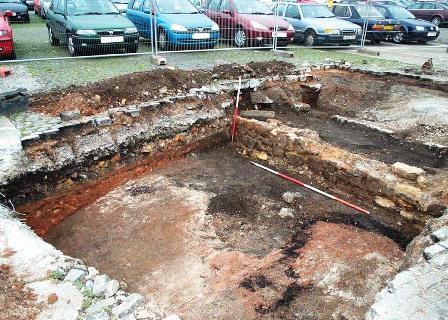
144,86
42,215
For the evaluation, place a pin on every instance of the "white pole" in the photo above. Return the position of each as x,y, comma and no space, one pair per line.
366,21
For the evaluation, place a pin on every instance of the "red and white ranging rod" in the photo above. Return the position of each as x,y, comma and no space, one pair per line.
235,113
300,183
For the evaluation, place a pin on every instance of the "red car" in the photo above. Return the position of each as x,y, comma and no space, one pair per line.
36,6
248,22
435,12
6,42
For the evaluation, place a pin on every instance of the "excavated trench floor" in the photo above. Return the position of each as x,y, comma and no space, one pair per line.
210,236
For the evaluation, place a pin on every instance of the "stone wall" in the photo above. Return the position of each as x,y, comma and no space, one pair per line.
75,153
405,191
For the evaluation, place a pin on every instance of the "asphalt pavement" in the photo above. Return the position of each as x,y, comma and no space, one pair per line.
414,53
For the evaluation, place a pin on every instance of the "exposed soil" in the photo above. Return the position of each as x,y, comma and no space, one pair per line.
144,86
203,237
16,301
371,98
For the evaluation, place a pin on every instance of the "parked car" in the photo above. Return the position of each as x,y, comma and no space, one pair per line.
378,27
90,26
6,39
179,24
248,22
435,12
41,7
412,29
315,24
28,3
19,11
400,3
121,5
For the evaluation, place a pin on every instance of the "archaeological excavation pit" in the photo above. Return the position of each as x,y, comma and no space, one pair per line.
160,199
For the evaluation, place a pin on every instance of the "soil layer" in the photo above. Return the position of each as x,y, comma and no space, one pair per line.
208,237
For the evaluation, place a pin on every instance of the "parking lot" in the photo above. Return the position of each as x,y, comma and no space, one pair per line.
31,42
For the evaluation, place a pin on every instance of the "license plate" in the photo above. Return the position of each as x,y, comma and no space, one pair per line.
432,34
112,39
348,37
280,34
201,36
388,27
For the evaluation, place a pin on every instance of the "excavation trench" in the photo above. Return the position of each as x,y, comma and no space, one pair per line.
205,234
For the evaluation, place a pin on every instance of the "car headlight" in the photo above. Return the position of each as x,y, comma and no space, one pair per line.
420,28
358,31
291,28
437,28
257,25
2,33
331,31
215,27
130,30
178,28
86,32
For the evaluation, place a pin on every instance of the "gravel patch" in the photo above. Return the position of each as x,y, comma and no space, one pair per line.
21,78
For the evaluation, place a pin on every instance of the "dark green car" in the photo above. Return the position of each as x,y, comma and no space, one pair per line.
87,26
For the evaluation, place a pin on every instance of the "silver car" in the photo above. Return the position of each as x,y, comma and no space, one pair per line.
315,24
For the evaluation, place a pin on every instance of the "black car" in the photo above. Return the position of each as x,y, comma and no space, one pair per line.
18,9
29,4
378,27
412,29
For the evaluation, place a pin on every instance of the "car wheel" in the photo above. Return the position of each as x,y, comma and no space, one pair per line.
240,38
310,38
13,55
436,20
71,47
51,38
162,40
398,37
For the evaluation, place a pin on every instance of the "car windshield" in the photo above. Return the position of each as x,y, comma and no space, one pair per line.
251,7
406,3
313,11
90,7
176,6
363,11
400,13
10,1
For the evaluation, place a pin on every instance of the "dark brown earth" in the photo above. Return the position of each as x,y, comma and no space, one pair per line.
203,236
144,86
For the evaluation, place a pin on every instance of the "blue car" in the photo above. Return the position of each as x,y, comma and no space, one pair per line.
179,24
412,29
